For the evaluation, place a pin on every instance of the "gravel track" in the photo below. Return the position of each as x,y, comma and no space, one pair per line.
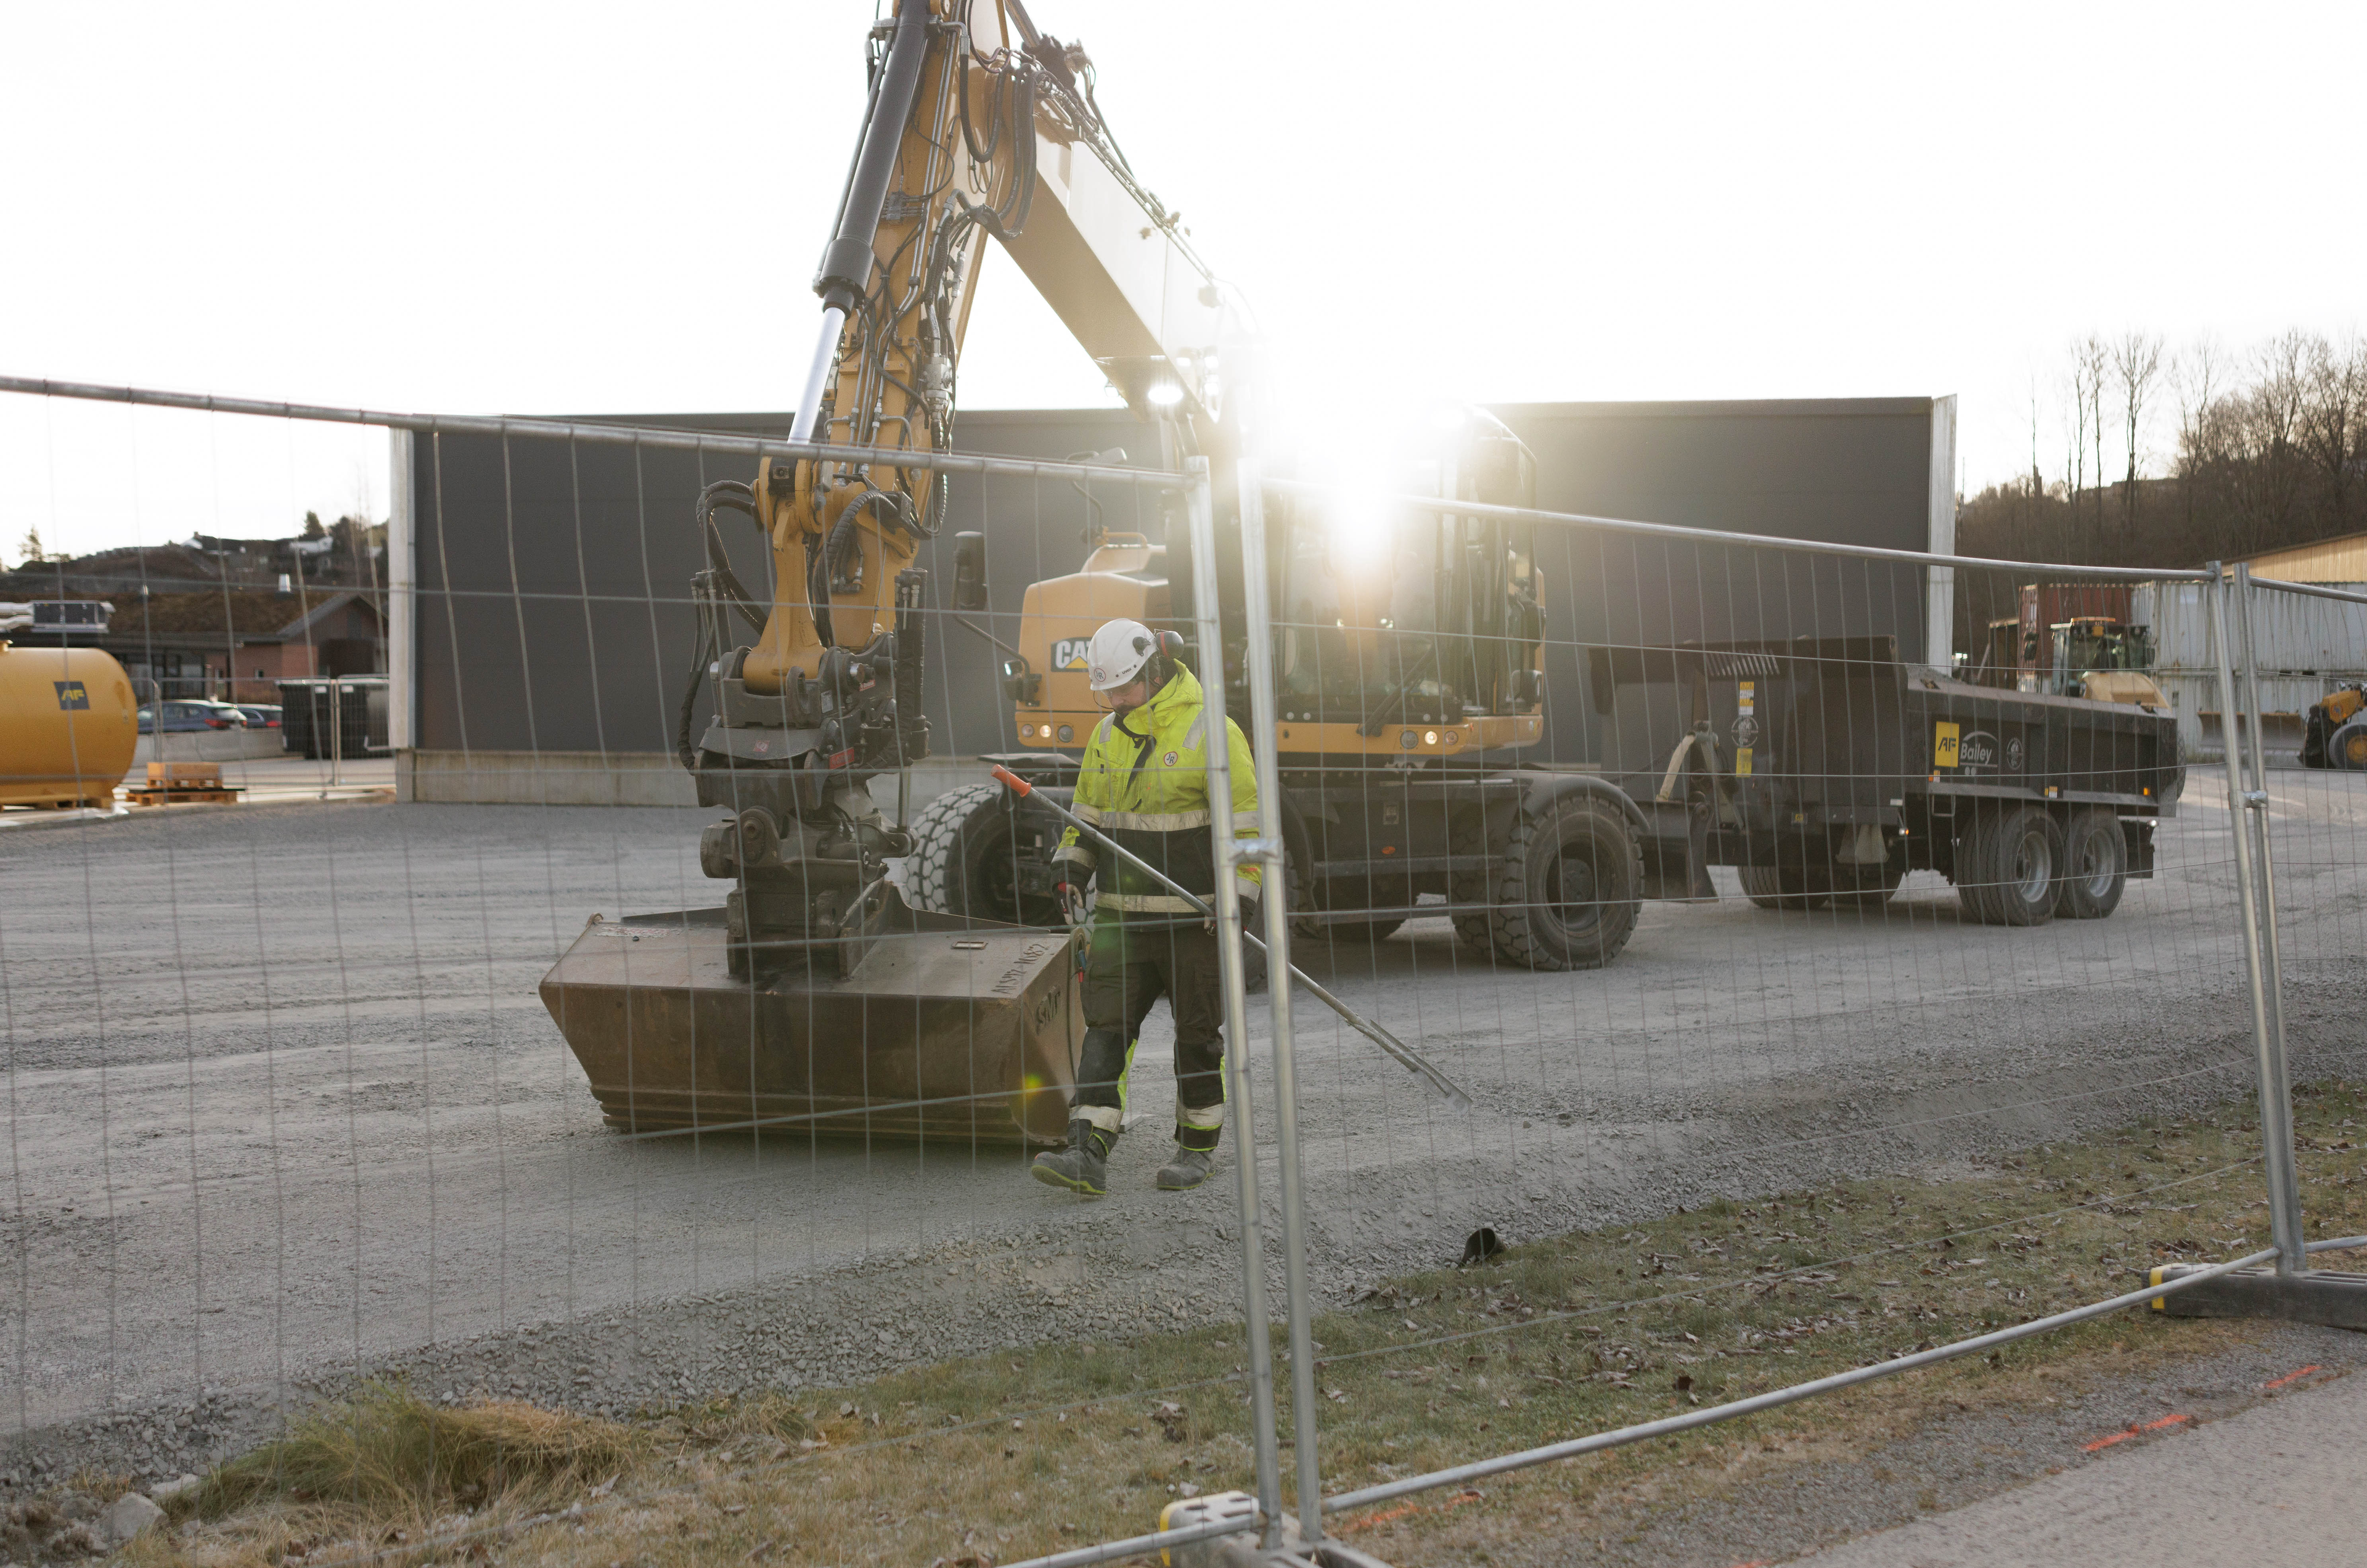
285,1110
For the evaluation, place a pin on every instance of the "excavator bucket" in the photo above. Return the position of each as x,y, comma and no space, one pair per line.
946,1028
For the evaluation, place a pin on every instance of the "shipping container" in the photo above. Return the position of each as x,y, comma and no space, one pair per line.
2303,647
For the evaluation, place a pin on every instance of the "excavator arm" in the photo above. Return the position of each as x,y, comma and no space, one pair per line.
977,124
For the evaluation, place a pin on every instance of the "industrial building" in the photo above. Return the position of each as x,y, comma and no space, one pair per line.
542,623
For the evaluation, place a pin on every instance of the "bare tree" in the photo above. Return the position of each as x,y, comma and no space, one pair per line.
2136,364
2090,361
2331,417
2196,376
2267,478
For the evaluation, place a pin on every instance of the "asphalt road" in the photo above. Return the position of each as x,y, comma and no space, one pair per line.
283,1107
2278,1484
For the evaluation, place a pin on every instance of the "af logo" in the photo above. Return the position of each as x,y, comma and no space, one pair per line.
72,694
1068,652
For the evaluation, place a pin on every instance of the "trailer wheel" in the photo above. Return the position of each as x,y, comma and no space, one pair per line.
2013,873
964,861
2095,866
1785,887
1566,888
2348,747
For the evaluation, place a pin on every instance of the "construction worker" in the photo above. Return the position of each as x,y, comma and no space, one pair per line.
1145,783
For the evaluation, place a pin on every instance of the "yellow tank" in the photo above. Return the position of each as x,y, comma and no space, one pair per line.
68,726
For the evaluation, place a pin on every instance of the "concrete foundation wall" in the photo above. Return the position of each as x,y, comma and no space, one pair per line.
208,745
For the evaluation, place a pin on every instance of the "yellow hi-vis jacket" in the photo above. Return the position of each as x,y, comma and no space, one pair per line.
1145,783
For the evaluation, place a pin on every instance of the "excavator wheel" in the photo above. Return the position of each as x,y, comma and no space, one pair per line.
1566,888
1785,887
1866,887
1299,846
963,860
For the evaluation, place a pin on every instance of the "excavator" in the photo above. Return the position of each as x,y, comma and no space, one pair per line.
815,995
824,995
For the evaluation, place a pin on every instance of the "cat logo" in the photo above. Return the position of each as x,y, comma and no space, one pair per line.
1068,652
1943,745
72,694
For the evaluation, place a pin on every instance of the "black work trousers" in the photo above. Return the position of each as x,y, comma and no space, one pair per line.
1129,964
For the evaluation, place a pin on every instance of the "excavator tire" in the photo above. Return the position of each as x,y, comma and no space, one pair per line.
2347,747
962,860
1865,886
1566,888
1299,846
1784,887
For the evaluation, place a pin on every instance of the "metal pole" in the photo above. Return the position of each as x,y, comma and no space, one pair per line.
2285,1195
2276,1127
1397,1049
1200,508
336,733
1265,724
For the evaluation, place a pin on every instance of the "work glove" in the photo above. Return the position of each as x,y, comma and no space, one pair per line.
1072,902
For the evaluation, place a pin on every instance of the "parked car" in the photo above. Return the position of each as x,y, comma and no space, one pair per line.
178,717
261,716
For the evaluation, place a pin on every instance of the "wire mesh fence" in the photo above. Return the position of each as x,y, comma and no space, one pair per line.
1678,916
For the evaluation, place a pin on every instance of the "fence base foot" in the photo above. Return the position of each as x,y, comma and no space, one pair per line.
2336,1300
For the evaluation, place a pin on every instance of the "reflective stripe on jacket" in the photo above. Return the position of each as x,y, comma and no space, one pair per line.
1145,783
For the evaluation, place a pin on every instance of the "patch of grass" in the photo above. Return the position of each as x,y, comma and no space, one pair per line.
1011,1455
387,1450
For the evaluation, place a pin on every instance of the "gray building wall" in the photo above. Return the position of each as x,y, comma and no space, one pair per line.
550,610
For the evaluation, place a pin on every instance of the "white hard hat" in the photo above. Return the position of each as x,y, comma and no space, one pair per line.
1118,654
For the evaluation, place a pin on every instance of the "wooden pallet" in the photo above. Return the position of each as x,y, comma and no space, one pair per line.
218,795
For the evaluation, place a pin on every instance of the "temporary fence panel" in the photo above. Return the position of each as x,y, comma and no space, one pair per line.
1794,915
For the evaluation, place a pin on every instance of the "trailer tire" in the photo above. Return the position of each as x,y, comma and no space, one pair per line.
962,860
2095,866
1788,888
2013,873
2347,747
1566,888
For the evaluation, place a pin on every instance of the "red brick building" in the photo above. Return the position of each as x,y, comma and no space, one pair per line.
236,644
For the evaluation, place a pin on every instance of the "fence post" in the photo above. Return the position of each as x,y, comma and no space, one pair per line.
2275,1091
1201,517
2292,1256
1258,666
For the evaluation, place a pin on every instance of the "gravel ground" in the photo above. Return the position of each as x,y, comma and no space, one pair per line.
283,1110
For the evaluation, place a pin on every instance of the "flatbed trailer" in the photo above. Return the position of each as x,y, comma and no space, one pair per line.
1825,769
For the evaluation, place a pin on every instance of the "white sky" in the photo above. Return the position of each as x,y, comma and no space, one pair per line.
594,207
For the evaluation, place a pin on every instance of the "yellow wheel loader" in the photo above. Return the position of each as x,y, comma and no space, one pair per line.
2337,736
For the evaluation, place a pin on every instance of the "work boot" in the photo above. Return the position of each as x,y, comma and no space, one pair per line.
1082,1167
1187,1170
